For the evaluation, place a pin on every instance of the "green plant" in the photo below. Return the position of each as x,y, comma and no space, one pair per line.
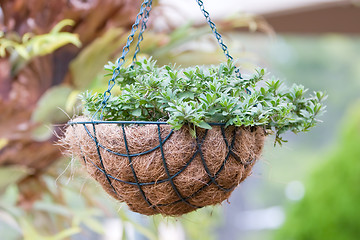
23,49
38,45
199,95
329,209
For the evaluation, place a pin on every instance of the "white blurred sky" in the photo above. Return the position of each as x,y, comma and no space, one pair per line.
218,8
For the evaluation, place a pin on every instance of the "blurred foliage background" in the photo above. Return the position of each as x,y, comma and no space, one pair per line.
46,61
329,209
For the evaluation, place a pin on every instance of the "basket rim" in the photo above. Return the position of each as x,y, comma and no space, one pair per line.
132,122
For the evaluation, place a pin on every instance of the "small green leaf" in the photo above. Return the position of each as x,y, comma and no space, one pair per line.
204,125
136,112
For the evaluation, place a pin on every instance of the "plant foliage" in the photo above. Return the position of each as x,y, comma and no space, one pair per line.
201,95
330,209
30,45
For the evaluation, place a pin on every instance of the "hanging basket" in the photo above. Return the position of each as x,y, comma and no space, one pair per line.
154,169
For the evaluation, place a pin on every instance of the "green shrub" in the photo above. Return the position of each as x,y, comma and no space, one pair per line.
199,95
330,208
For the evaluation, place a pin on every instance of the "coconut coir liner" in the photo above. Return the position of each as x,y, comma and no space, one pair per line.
195,189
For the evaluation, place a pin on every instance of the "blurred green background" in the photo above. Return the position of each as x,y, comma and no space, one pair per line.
306,189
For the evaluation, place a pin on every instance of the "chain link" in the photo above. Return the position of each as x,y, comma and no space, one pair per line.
218,36
214,30
143,28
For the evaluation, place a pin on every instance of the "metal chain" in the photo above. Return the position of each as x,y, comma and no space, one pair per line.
214,30
218,36
120,61
143,28
143,17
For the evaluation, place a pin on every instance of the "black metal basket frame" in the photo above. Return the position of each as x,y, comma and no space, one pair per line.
162,141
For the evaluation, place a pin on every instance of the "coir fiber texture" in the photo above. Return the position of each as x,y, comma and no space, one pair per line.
190,174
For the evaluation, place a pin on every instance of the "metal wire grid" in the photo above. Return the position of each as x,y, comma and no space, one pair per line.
162,141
